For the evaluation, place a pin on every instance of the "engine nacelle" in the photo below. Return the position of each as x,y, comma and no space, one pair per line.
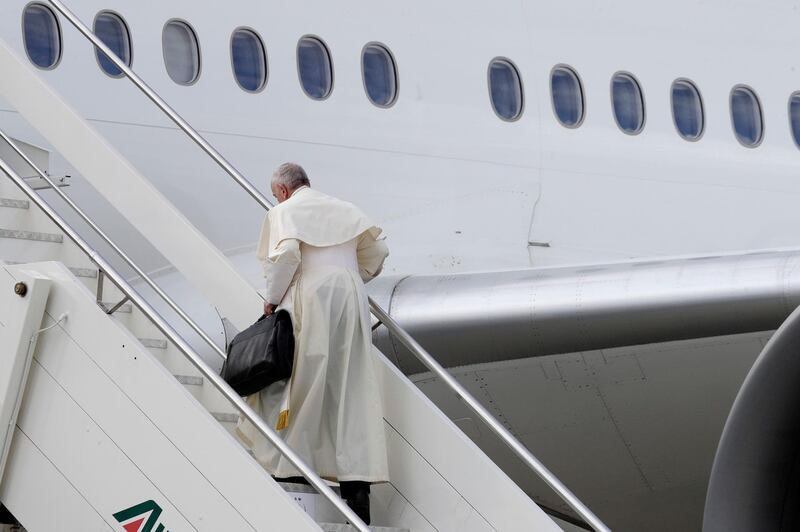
755,480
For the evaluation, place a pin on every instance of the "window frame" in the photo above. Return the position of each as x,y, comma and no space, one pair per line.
641,95
513,65
702,109
789,108
263,49
58,30
760,115
564,66
330,62
395,70
97,52
199,52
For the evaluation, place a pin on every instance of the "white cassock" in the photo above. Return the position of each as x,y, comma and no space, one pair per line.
317,252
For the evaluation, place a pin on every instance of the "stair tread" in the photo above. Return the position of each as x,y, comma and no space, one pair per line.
341,527
127,308
89,273
294,487
15,203
153,343
32,235
226,417
190,380
77,272
37,183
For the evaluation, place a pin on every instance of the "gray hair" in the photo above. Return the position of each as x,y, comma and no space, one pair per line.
290,175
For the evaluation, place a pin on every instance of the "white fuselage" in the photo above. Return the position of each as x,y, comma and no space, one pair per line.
458,189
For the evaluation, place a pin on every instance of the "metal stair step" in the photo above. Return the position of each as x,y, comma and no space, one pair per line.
127,308
294,487
37,183
190,380
225,417
15,203
153,343
89,273
341,527
77,272
32,235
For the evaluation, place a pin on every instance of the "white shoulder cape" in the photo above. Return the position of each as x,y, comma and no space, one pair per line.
314,218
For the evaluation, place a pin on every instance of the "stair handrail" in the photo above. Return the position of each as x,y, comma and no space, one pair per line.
394,328
500,431
135,267
217,381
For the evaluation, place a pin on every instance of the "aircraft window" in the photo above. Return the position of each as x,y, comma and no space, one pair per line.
794,116
111,29
628,102
687,109
748,123
505,89
314,67
42,35
181,52
567,94
380,75
249,59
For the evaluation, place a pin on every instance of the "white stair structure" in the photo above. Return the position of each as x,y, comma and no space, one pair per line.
104,426
119,430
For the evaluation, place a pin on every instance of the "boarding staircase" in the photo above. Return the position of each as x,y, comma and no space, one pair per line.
114,422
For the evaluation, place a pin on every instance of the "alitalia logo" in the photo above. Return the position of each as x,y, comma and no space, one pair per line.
135,518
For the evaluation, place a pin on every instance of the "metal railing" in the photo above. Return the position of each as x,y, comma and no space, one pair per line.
515,445
217,381
146,278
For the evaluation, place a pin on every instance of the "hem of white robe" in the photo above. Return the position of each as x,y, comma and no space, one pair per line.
341,478
358,478
372,479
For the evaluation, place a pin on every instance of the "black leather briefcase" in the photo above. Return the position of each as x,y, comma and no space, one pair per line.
261,354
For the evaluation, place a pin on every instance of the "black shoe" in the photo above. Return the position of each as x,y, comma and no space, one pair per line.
361,508
292,480
6,517
356,494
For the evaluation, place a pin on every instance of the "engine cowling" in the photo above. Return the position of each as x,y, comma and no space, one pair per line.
755,479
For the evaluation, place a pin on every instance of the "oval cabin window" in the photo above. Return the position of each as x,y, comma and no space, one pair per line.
112,30
181,52
746,117
315,68
380,75
42,35
794,117
628,103
505,89
567,95
687,110
249,59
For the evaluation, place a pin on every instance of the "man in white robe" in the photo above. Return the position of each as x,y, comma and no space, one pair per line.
317,253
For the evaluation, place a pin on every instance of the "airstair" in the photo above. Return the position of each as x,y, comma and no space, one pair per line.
113,421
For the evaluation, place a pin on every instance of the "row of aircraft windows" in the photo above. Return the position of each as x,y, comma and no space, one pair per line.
627,101
42,37
181,48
